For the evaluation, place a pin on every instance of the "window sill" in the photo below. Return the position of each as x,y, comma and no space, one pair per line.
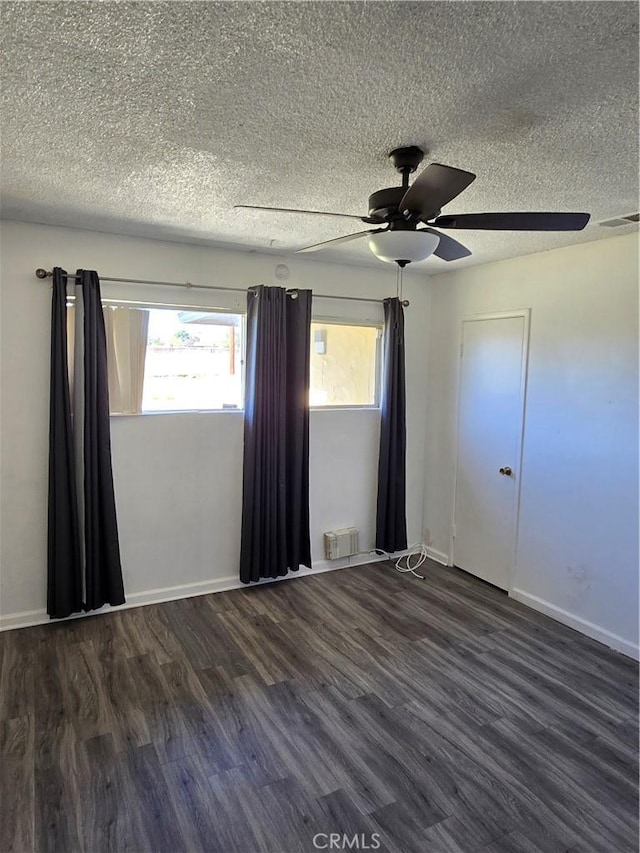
176,412
345,408
235,411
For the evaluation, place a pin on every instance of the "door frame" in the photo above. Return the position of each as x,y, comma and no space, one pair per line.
525,313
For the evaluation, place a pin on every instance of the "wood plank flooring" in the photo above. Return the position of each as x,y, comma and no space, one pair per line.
437,716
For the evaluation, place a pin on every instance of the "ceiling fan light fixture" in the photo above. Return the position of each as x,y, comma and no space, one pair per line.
408,246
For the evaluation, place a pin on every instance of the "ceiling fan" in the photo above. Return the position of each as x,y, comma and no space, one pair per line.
400,210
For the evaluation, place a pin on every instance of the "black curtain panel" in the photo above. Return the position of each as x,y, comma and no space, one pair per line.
391,523
103,572
275,502
64,562
84,570
298,307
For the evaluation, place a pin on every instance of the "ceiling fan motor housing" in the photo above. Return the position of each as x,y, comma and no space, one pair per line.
383,204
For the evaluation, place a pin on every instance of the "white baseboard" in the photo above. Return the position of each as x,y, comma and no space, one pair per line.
27,618
614,641
438,556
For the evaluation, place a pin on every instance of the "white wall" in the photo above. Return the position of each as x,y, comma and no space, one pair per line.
577,555
178,477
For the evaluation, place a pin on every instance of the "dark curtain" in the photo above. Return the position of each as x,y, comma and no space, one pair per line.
84,569
275,501
64,562
391,523
103,572
298,307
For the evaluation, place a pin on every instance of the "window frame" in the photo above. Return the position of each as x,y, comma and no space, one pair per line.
204,309
373,324
315,318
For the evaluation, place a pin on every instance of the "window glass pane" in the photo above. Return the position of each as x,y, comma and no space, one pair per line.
193,361
344,365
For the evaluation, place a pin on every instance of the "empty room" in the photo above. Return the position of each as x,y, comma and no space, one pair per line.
319,427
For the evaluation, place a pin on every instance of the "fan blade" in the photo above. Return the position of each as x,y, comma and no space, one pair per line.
337,240
294,210
448,248
515,221
434,187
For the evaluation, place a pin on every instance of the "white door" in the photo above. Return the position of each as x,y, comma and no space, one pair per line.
491,406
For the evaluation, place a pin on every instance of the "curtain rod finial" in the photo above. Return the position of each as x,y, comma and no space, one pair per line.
42,273
405,303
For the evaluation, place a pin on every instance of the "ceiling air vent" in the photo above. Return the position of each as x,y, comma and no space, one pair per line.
620,220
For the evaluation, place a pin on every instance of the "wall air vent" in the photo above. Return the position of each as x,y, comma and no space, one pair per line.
341,543
619,221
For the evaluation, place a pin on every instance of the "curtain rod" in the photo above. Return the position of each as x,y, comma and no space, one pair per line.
42,273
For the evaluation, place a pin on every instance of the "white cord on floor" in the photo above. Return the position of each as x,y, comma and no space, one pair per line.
412,561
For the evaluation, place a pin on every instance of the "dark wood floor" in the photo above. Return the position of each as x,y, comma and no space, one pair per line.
439,714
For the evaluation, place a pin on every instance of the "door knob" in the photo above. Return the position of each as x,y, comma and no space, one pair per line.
506,471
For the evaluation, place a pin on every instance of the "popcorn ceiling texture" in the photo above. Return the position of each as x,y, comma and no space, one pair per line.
154,119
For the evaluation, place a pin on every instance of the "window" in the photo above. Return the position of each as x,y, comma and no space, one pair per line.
166,359
345,364
193,361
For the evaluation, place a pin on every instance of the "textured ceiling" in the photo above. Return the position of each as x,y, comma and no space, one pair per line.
154,119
